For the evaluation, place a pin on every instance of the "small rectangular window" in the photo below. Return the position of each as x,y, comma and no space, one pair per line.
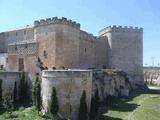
16,33
85,50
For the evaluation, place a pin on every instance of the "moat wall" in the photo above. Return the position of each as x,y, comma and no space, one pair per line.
71,83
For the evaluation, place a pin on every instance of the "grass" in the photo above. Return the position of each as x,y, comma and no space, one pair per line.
139,106
21,112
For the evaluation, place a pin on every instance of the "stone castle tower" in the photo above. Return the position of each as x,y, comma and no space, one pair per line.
125,49
60,42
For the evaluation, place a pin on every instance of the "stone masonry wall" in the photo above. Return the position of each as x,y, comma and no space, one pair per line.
8,81
126,50
110,82
27,51
2,43
58,42
69,85
91,54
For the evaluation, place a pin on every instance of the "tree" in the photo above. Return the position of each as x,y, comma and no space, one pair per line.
0,91
15,92
38,97
36,94
83,115
92,109
23,88
53,106
96,101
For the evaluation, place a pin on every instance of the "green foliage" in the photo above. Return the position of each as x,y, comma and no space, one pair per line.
140,105
97,100
94,106
53,104
0,91
15,92
21,113
36,94
23,89
83,115
92,109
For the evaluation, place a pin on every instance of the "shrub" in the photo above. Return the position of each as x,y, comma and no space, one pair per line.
92,109
82,115
36,94
23,89
15,92
96,101
53,105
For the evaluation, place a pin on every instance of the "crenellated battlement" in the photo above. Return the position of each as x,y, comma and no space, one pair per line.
56,20
115,28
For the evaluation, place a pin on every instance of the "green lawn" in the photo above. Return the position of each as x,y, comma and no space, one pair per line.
139,106
21,113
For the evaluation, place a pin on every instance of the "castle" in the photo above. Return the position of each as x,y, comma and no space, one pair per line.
59,42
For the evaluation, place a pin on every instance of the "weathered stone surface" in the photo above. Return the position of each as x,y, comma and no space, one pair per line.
8,81
126,50
152,75
110,82
59,42
69,85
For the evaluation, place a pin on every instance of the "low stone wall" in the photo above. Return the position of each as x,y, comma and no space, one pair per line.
8,81
3,57
69,86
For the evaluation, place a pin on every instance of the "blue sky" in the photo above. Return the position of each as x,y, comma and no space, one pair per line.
92,14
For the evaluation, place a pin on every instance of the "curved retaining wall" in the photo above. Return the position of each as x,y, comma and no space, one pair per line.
69,86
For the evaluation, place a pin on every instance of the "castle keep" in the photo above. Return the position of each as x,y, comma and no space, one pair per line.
60,43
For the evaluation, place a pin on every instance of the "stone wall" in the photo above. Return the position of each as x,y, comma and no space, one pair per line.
126,50
3,59
26,50
91,54
8,81
3,48
69,85
16,35
152,75
110,82
58,45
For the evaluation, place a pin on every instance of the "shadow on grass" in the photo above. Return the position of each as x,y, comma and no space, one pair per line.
121,104
102,117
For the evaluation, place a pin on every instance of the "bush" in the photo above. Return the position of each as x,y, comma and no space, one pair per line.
23,89
83,115
53,105
15,92
92,109
96,101
36,94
